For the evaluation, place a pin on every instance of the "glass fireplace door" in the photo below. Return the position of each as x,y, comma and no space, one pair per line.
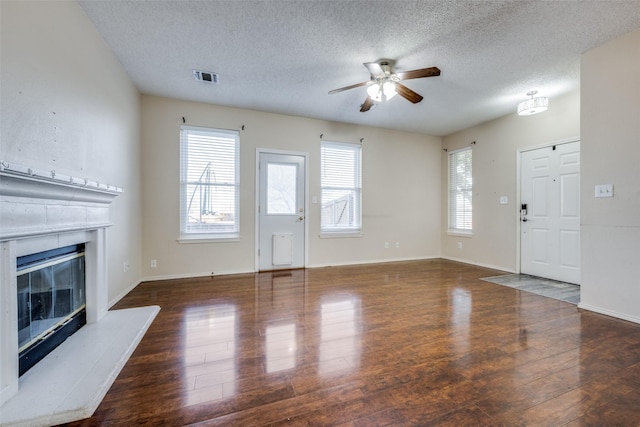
51,292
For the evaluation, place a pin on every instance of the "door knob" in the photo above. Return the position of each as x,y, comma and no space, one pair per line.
300,218
524,219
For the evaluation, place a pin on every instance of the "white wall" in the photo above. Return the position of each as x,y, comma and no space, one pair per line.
67,105
401,189
610,127
495,226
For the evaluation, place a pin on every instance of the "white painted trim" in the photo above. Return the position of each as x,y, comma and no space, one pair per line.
458,233
124,293
40,184
208,239
550,144
375,261
611,313
517,212
8,319
193,275
230,272
480,264
327,235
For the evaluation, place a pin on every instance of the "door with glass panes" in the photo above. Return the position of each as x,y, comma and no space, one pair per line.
281,211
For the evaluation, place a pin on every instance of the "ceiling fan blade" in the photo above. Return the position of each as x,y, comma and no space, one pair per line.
348,87
408,94
374,68
366,105
416,74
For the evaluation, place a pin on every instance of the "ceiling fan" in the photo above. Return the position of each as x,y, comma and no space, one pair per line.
385,83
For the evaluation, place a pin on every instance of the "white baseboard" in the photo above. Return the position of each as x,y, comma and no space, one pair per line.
124,293
610,313
321,265
192,275
375,261
481,264
224,273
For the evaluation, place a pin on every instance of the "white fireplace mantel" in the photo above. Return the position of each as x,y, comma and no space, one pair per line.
35,202
42,210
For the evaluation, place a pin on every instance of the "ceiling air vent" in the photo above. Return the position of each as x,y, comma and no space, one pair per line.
206,76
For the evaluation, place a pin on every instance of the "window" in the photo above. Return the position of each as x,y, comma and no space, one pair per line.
209,183
281,189
460,191
341,187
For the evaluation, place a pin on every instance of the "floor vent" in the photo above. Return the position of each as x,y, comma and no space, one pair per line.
206,76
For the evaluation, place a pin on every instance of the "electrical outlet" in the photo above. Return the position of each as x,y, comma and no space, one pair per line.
154,263
459,245
386,245
125,266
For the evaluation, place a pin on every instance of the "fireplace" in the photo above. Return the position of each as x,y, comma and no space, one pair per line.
51,301
65,218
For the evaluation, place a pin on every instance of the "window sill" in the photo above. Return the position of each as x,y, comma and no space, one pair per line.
208,239
340,235
460,233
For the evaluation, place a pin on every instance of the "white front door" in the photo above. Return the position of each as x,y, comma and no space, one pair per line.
550,215
281,211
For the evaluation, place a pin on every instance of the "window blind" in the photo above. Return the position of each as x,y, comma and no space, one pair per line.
341,182
460,190
209,182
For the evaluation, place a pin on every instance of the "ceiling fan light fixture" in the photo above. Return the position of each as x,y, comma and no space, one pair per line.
389,89
373,90
384,83
533,105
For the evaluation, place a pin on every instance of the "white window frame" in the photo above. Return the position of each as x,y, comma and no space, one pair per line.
351,185
212,231
460,214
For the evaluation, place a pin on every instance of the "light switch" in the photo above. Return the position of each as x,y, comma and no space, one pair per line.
314,199
604,190
504,200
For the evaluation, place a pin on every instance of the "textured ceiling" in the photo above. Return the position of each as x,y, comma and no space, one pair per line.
285,56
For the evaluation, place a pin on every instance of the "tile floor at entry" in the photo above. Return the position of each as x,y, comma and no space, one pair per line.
540,286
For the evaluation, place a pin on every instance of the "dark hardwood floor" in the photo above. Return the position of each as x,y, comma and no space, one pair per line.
412,343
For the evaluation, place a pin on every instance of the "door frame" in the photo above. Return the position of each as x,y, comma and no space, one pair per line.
519,153
260,151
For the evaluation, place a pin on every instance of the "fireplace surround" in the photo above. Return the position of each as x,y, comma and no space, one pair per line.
41,211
